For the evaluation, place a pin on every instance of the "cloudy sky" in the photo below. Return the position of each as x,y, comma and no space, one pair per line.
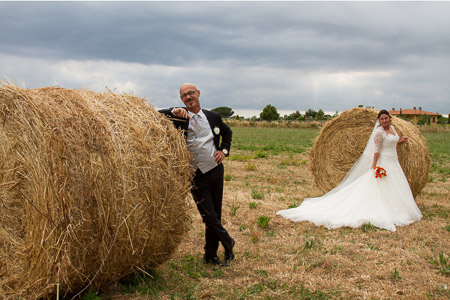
244,55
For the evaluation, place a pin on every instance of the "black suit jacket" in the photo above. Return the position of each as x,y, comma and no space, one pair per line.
215,121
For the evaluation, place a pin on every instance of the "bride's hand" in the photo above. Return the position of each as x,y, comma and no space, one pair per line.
403,139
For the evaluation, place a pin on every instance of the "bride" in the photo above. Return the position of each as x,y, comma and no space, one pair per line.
361,198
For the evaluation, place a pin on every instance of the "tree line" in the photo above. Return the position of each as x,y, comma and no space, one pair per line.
270,113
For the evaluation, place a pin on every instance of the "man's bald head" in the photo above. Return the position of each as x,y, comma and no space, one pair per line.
189,95
187,85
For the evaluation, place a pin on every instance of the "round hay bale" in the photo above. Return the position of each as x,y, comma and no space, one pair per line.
92,187
342,141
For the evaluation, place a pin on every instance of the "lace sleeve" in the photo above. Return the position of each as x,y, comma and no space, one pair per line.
378,139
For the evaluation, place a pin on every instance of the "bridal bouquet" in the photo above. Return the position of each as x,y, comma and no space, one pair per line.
379,172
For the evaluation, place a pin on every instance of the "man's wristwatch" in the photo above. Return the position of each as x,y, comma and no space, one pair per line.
225,151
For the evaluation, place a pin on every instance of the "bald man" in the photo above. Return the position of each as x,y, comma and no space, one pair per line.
202,130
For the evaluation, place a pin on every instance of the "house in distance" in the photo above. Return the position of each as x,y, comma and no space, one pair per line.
414,115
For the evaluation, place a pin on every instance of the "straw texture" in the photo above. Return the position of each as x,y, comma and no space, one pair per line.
342,141
92,186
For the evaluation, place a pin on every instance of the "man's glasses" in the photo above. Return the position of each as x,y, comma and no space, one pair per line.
190,93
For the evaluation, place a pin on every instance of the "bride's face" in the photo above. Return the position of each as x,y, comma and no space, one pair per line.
385,120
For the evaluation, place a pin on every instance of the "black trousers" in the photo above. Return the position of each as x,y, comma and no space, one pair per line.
207,193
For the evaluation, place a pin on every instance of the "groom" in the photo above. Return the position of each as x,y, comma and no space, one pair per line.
202,130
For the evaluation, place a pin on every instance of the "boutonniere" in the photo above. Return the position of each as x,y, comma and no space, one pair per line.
216,130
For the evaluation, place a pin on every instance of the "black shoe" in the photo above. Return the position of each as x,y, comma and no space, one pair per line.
212,261
229,255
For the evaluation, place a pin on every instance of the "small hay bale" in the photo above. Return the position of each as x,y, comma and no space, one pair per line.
92,187
342,141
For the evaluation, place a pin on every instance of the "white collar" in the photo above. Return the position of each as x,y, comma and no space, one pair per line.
200,113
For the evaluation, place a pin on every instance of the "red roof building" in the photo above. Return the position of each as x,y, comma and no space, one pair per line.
413,115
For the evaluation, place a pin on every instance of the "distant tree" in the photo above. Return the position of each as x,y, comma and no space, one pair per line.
223,111
237,118
294,116
442,120
360,105
448,119
269,113
424,119
310,113
320,115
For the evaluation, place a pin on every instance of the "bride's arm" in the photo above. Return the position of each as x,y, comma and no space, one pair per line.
402,139
378,139
375,159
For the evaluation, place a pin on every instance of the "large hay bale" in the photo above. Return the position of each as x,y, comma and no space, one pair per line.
92,187
342,141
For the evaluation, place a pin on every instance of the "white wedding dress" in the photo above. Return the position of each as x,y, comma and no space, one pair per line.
361,198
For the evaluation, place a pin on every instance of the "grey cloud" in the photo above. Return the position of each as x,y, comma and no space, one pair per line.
181,32
248,54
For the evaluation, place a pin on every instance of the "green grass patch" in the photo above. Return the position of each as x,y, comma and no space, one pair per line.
442,292
273,140
439,144
312,243
257,195
372,247
434,211
233,209
289,162
336,249
368,227
241,157
266,288
260,154
253,205
145,283
90,295
395,275
263,221
250,167
443,264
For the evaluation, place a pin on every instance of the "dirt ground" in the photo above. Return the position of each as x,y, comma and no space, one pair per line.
276,261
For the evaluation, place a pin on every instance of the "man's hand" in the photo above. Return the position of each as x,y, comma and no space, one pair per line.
180,113
219,156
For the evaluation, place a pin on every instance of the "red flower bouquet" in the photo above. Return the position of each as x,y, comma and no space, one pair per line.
379,172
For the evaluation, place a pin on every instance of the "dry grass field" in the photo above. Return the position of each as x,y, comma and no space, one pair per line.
279,259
